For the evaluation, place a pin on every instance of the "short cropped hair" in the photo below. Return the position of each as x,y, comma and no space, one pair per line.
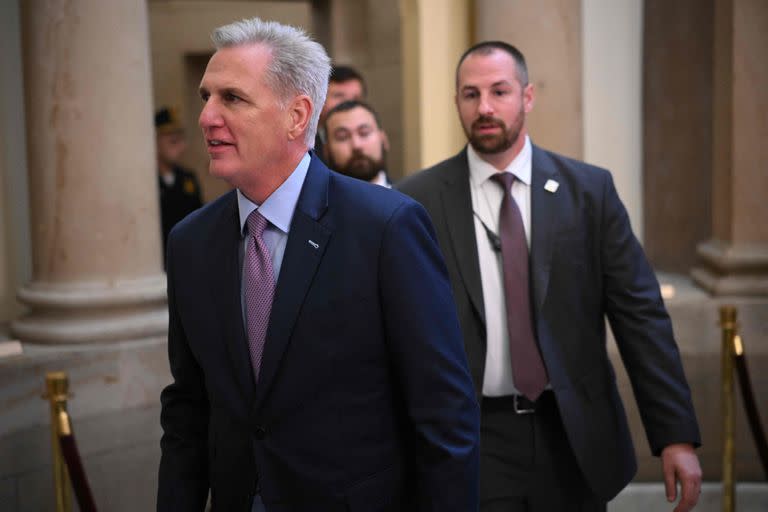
341,74
488,47
348,105
299,65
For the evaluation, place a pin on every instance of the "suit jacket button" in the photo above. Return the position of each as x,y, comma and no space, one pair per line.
260,432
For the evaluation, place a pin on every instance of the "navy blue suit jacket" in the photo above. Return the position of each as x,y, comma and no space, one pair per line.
585,265
364,401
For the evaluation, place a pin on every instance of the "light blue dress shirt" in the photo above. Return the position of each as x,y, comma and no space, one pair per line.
278,209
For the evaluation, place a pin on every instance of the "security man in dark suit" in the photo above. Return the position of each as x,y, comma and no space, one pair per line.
179,188
540,253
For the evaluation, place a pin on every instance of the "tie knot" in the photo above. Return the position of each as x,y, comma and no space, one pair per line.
257,223
505,179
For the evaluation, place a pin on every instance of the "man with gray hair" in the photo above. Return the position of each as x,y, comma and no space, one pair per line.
315,349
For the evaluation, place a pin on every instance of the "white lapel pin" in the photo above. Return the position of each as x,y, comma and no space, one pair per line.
551,186
313,244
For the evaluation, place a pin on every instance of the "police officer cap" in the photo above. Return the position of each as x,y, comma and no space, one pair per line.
167,120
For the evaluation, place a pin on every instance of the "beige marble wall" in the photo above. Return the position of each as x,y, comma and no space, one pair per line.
180,46
549,33
409,40
677,130
750,127
741,125
434,35
612,96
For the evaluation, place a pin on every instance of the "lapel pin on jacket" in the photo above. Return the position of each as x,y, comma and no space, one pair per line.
313,244
551,186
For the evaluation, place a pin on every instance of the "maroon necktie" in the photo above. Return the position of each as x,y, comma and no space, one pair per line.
528,370
259,288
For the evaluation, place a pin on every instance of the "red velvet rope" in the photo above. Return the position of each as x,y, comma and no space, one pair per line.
77,473
751,408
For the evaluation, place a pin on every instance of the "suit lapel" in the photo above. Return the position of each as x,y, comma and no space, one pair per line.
304,250
456,201
225,283
543,215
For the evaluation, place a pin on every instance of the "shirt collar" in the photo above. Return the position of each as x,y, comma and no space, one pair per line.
381,179
480,170
278,208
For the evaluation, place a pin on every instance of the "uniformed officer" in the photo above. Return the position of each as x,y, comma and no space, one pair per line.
179,188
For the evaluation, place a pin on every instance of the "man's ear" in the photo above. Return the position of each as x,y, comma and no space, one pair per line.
299,113
529,98
385,140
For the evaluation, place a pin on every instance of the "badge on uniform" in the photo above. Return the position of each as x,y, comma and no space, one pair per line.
189,186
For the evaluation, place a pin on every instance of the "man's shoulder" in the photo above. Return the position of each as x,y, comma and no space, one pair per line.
569,167
361,198
425,181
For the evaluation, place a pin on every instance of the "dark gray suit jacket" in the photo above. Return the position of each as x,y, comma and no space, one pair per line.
586,264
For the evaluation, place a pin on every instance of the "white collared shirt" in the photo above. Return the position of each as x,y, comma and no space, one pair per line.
486,203
381,179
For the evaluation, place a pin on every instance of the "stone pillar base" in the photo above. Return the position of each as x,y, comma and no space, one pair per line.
93,312
733,269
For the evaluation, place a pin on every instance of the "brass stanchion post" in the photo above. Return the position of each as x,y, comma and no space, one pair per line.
57,388
728,326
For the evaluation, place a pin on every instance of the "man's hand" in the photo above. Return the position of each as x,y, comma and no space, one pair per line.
681,464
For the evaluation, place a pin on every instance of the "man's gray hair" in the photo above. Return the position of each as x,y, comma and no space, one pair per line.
299,65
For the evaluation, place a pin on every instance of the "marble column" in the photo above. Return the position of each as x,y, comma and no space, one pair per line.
97,273
735,259
612,53
677,81
434,34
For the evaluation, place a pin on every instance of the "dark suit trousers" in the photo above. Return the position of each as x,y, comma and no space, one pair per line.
526,462
257,505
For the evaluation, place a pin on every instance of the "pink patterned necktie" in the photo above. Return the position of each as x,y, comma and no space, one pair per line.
528,370
259,288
